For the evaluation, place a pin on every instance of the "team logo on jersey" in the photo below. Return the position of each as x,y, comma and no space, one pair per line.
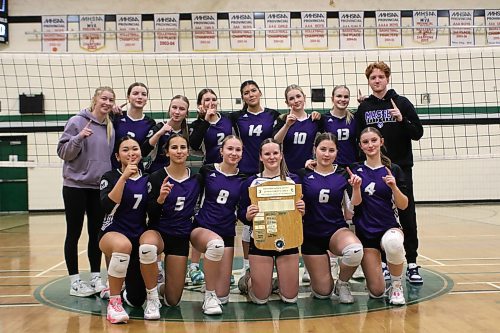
245,116
310,177
104,184
213,175
330,120
359,169
123,120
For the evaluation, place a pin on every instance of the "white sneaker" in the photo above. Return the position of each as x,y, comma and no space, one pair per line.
334,267
105,293
212,305
152,309
116,313
305,277
358,273
81,289
96,284
396,295
342,291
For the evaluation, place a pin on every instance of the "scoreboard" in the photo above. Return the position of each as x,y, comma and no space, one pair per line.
4,23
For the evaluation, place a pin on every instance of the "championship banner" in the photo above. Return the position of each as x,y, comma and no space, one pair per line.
54,42
241,40
278,224
277,39
166,32
492,26
351,32
205,32
316,39
461,36
128,40
422,21
92,40
388,33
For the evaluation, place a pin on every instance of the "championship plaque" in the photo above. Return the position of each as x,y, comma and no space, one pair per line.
278,225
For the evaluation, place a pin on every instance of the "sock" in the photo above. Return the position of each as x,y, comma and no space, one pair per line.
74,278
246,264
395,278
152,293
209,293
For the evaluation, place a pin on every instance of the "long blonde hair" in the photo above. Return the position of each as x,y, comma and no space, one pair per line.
109,123
283,167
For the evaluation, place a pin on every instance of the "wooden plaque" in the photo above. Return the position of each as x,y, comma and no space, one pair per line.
278,225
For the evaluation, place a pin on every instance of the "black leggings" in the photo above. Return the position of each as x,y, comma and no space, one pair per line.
77,202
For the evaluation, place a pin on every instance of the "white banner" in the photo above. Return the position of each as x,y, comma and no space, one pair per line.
316,39
54,42
205,34
461,36
166,40
388,35
241,40
92,41
422,20
277,39
493,26
128,40
351,37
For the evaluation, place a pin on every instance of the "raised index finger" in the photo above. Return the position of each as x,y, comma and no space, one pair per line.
360,94
394,106
165,180
88,124
349,172
389,173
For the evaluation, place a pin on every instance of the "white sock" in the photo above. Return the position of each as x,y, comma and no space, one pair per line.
246,264
152,293
395,278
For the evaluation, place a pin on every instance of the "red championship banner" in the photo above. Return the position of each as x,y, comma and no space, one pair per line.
128,39
166,32
423,21
278,38
388,31
52,41
492,26
461,36
351,32
241,40
93,38
316,39
205,36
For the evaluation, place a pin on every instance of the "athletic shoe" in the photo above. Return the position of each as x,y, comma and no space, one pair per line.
196,275
385,272
231,280
396,295
358,273
116,313
243,282
275,286
81,289
96,284
161,273
124,296
342,291
305,277
105,293
152,309
334,267
212,305
412,274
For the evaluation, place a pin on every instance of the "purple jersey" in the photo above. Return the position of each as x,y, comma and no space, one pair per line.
208,137
221,194
157,156
298,142
139,129
377,212
346,134
323,195
129,216
253,128
174,217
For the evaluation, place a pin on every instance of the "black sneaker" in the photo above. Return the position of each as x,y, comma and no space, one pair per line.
413,276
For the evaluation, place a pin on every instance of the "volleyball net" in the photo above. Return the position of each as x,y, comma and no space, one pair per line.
455,90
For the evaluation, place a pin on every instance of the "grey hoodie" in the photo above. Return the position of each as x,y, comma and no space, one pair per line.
85,159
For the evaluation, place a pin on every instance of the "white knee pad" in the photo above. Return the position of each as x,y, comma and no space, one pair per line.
352,254
215,250
118,265
289,300
392,244
147,254
256,300
245,234
319,296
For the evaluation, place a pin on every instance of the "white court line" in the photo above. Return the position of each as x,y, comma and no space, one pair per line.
454,259
474,292
7,296
435,261
461,265
28,276
19,305
493,285
56,265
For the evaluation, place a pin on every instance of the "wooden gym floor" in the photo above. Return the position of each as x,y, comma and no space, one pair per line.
458,253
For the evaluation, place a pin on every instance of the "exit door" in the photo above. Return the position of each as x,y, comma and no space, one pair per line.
13,180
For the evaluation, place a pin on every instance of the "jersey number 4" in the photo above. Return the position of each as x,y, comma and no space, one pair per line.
370,188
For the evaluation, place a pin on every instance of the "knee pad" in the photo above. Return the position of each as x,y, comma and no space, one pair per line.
319,296
245,234
289,300
215,250
147,254
254,298
392,244
118,265
352,254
